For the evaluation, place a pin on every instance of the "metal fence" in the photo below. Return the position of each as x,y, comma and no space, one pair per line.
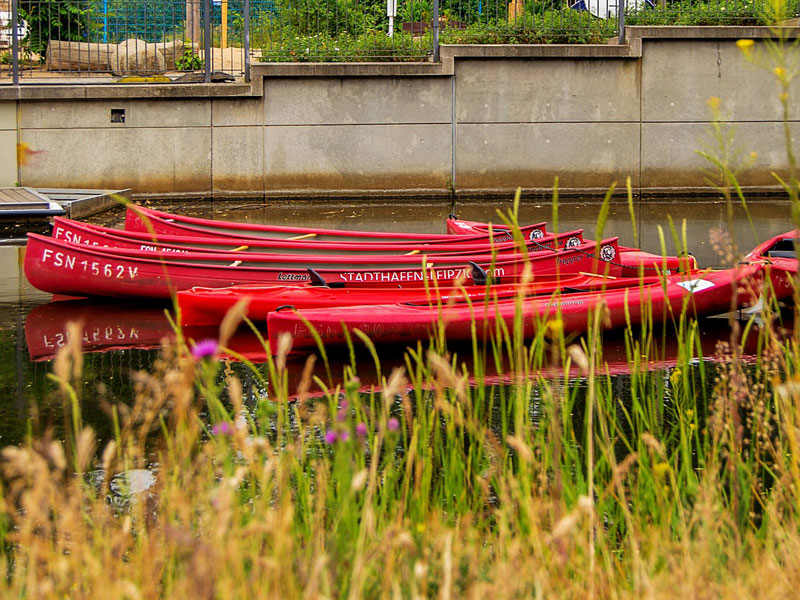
187,39
183,40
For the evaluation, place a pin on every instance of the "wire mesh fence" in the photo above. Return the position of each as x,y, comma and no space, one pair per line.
155,37
124,38
527,21
335,30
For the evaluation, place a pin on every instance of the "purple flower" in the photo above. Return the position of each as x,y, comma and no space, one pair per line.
341,416
222,428
331,437
344,436
344,404
393,424
205,349
361,430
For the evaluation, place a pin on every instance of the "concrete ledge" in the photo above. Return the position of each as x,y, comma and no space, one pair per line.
659,32
449,53
344,69
82,91
463,51
590,194
311,195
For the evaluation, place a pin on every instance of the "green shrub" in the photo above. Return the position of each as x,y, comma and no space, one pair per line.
53,20
563,26
688,13
374,45
189,61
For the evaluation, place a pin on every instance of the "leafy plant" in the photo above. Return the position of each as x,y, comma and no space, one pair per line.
189,61
690,13
414,11
563,26
370,46
54,20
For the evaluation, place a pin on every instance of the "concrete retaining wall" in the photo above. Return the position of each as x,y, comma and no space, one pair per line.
485,120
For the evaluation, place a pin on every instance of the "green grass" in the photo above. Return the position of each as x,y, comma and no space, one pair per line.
511,467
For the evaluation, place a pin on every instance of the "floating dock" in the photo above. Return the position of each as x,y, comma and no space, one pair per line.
27,204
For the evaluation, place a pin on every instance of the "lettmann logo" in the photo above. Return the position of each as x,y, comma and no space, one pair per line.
607,253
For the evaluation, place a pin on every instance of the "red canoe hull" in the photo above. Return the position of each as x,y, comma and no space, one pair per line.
779,255
139,218
76,232
79,270
208,306
708,293
631,259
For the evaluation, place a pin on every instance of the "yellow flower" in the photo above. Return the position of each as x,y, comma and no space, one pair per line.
753,155
555,326
780,72
713,103
744,45
784,96
660,469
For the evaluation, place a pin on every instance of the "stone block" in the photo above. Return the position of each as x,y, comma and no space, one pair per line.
362,100
8,115
670,158
238,156
8,158
356,157
678,78
581,155
143,159
97,113
237,112
546,90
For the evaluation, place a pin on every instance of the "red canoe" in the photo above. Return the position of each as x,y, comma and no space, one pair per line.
780,258
704,292
77,232
148,220
463,227
79,270
631,259
208,306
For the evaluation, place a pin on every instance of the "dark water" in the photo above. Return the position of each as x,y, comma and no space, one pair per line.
122,338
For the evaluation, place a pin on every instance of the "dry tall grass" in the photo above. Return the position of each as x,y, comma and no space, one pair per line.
431,488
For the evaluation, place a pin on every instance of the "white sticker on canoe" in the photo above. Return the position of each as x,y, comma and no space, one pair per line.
696,285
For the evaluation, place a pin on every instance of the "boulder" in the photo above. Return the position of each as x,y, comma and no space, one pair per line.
137,57
78,57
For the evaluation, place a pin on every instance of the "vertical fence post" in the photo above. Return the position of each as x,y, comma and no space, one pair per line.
207,40
246,40
621,15
193,21
435,30
14,43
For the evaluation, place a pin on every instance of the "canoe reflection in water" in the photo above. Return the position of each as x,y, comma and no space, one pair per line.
112,327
